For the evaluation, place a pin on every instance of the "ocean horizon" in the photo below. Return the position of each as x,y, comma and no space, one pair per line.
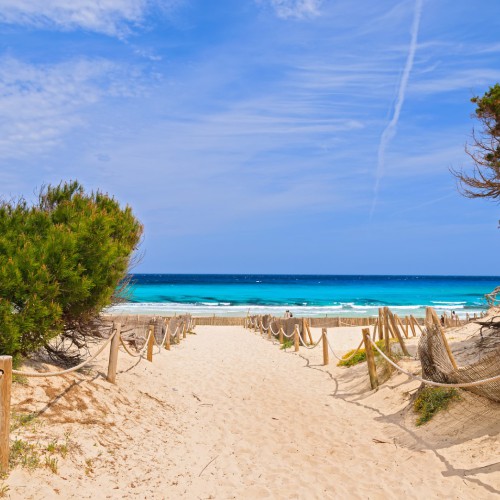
304,295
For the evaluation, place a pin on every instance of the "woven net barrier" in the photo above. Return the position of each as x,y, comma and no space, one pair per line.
436,366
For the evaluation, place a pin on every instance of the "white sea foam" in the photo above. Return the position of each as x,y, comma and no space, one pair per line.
348,309
445,302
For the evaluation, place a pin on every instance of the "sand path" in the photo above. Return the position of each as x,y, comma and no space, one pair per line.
228,415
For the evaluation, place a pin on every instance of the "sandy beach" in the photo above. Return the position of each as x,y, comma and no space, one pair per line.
227,414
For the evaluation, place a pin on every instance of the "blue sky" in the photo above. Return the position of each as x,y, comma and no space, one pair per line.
271,136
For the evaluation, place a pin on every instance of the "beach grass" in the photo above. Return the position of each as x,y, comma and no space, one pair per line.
360,356
287,344
431,400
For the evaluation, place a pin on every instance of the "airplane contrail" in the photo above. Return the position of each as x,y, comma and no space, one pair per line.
390,130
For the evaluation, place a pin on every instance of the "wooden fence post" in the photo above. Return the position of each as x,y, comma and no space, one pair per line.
398,319
370,359
412,326
311,341
260,327
415,322
269,333
325,347
113,354
398,333
437,323
296,337
381,323
167,338
375,329
5,389
151,342
387,339
280,337
184,330
304,330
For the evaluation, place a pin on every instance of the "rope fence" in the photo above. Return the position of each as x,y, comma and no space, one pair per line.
172,328
161,332
389,328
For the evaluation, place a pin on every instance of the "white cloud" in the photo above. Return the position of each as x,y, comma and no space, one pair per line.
112,17
41,103
391,128
298,9
453,79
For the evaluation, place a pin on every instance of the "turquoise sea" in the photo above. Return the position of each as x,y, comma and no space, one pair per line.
308,295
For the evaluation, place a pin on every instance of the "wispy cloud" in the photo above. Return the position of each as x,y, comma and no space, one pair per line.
41,103
111,17
295,9
451,79
391,128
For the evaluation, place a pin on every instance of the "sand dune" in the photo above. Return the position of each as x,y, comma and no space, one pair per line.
228,415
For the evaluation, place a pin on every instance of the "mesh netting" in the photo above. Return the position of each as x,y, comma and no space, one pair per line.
437,366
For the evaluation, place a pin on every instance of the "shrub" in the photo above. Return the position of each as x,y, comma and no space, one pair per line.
61,261
360,356
430,400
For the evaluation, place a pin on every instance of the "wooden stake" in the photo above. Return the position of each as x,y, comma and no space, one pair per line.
311,342
269,334
437,323
150,343
380,323
167,338
374,337
412,326
406,326
325,347
281,335
260,327
415,322
5,390
296,337
398,334
304,332
387,340
113,354
398,319
184,330
392,333
370,359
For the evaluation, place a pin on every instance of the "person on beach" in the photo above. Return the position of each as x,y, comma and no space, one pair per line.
287,314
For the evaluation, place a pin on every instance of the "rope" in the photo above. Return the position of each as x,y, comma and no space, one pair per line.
129,352
306,346
344,359
431,382
69,370
141,352
272,331
162,343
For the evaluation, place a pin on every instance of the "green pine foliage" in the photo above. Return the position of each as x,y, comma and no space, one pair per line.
484,149
61,260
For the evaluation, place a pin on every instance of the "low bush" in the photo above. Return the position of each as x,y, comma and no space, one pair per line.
360,356
430,400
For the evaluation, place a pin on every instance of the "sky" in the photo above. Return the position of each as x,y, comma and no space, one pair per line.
259,136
